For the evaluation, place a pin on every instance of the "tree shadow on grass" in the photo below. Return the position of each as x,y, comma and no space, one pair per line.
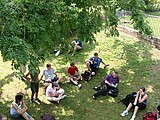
80,55
136,68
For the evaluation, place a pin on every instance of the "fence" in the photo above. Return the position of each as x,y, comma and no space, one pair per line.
126,27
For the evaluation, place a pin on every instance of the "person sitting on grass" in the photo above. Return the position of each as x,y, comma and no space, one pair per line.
16,109
75,45
34,83
50,76
158,112
93,63
54,93
110,82
74,75
139,103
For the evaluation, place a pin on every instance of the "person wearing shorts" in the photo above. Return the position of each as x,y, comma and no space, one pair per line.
93,63
54,93
139,103
73,75
75,45
16,109
34,83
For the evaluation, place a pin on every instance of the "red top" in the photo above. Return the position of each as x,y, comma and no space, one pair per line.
71,70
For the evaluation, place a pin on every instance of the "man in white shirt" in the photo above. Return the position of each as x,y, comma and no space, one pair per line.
54,93
50,75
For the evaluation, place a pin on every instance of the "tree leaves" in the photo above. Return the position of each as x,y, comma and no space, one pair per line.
30,29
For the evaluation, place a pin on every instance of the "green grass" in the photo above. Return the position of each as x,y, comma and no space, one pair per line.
154,13
153,22
137,63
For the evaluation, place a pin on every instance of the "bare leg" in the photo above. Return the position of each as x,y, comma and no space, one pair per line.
88,65
73,81
129,107
25,116
135,110
75,48
70,47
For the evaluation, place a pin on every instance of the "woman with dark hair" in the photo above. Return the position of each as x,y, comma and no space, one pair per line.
139,103
16,109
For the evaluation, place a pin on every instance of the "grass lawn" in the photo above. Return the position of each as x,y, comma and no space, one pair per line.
138,65
153,22
154,13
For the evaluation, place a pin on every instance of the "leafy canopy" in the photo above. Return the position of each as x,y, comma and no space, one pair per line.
29,29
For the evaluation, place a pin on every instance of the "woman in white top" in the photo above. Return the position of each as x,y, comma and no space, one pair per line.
16,109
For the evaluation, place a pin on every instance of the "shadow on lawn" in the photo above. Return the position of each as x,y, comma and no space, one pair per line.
134,74
137,65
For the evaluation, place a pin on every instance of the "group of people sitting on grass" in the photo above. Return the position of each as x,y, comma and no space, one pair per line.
54,93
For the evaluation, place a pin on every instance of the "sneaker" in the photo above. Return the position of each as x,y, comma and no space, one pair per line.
124,113
80,86
93,97
63,96
38,100
133,117
96,88
69,81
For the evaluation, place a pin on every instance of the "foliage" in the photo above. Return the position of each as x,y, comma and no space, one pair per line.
30,29
152,5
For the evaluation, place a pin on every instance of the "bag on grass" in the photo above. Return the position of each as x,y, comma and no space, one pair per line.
47,117
150,116
129,98
86,75
113,92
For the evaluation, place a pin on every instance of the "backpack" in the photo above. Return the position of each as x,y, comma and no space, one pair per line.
150,116
86,75
113,92
129,98
47,117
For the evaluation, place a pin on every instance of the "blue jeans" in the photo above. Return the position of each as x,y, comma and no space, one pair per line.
16,115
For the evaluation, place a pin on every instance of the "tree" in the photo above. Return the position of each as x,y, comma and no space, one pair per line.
31,28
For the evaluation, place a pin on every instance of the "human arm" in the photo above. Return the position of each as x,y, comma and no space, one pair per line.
26,76
105,64
136,99
19,111
41,77
141,99
157,114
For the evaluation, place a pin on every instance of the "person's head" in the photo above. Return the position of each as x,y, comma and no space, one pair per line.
55,85
48,66
142,89
115,74
18,98
96,55
72,64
